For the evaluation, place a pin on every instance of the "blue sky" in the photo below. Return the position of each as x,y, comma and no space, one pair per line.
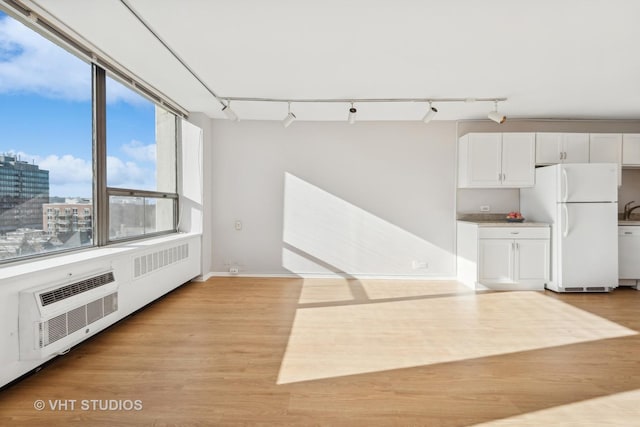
45,116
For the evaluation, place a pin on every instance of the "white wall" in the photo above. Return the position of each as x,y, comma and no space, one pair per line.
317,197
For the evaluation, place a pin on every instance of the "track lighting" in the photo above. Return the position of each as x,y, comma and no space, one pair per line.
231,115
289,118
431,113
495,116
352,114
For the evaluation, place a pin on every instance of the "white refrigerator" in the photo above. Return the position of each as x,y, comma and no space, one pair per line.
580,201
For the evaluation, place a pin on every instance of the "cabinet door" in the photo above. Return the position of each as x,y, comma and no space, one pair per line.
606,148
548,148
631,149
518,159
496,261
532,261
484,159
575,147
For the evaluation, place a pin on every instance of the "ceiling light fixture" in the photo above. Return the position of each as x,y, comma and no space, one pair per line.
289,118
352,114
495,116
231,115
431,113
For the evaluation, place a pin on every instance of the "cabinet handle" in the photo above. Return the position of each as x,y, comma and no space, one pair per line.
517,246
514,232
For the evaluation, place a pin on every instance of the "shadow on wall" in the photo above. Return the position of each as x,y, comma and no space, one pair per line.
323,234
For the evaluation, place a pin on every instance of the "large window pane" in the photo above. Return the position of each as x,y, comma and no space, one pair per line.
46,174
141,142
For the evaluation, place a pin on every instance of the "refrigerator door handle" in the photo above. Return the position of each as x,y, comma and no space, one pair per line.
565,230
565,185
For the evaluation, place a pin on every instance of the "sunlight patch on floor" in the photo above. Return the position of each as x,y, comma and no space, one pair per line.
335,341
621,409
384,289
325,290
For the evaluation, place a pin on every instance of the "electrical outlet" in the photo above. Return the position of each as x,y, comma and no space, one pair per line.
485,208
234,270
238,225
420,265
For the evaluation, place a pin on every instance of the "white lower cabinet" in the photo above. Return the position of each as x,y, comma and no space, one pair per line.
503,258
518,261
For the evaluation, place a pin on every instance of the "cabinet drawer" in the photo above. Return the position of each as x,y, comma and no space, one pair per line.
629,230
513,232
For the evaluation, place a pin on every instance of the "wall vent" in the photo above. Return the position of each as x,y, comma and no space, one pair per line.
67,323
588,289
147,263
76,288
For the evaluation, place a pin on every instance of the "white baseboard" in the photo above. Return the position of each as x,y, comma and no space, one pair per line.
324,276
203,277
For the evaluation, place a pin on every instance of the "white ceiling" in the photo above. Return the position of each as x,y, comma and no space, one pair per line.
550,58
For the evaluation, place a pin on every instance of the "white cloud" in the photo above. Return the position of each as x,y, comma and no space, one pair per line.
32,64
140,152
66,169
68,175
35,65
129,175
71,176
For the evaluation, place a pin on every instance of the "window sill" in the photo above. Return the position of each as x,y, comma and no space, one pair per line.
81,255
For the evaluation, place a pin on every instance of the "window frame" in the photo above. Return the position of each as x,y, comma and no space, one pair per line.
101,193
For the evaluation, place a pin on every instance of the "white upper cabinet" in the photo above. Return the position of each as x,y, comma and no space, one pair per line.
552,148
480,160
631,149
491,160
518,154
606,148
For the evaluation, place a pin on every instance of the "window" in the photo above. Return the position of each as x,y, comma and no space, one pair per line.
46,145
47,179
141,164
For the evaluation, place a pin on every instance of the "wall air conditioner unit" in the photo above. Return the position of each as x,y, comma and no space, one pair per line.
55,316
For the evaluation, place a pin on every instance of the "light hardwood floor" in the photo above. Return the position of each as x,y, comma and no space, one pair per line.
241,351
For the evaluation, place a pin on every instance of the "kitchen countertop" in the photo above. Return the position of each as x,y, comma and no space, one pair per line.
628,222
504,223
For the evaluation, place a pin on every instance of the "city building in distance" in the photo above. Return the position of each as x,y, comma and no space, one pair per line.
24,188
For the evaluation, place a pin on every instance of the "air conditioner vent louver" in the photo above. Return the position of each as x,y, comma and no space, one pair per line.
148,263
67,323
72,289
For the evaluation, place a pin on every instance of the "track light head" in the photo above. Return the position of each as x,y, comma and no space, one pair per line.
495,116
289,118
231,115
352,114
431,113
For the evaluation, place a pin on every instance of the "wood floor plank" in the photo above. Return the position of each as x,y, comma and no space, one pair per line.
352,352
